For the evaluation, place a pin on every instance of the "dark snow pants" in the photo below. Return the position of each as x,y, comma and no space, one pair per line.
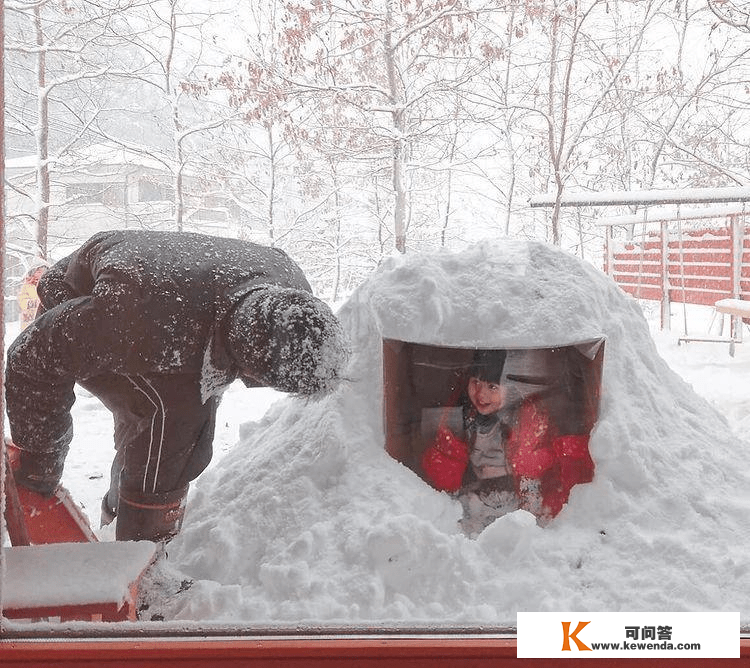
163,439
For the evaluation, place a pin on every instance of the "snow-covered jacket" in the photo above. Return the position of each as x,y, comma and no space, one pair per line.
132,302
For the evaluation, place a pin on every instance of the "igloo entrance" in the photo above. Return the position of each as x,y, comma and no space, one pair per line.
436,425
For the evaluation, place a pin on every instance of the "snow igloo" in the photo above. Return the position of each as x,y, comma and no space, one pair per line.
321,513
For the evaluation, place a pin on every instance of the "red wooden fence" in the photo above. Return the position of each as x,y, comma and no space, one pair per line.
695,267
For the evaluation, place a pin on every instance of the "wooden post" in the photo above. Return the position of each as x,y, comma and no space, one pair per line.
666,306
737,233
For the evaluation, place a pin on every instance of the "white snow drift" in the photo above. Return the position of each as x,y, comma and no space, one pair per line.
309,519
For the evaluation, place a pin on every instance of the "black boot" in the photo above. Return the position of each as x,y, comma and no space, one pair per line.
108,514
156,517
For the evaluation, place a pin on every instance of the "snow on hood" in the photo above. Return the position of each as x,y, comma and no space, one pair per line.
309,519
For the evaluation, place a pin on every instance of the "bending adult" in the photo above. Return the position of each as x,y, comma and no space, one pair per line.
157,325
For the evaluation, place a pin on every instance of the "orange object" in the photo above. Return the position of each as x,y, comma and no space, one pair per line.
56,568
28,297
53,520
33,519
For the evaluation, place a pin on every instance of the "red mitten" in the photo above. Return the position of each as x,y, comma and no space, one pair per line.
529,448
445,460
576,465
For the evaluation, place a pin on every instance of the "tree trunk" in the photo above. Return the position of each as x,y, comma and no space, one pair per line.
337,235
449,186
272,184
42,140
555,150
173,94
400,200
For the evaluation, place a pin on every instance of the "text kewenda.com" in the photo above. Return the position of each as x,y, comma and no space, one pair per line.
646,645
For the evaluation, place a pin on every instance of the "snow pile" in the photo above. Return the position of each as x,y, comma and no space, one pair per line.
309,519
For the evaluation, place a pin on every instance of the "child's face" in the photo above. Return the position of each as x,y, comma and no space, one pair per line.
487,397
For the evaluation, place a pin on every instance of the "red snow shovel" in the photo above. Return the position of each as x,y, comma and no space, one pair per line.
33,519
75,577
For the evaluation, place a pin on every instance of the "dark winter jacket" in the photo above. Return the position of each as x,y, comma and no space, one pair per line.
132,302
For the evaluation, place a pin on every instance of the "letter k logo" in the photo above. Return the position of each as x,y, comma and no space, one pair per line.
567,636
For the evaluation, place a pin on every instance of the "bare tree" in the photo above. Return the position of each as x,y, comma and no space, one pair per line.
59,45
175,57
572,111
99,71
677,120
563,64
392,69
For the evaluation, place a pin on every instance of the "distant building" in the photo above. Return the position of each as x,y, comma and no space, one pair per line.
111,187
102,187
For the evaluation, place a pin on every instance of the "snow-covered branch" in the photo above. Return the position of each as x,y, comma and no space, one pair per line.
72,78
728,12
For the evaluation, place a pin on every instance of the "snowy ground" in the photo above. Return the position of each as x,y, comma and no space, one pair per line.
714,374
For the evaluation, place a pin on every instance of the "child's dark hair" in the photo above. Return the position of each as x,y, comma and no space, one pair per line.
487,365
